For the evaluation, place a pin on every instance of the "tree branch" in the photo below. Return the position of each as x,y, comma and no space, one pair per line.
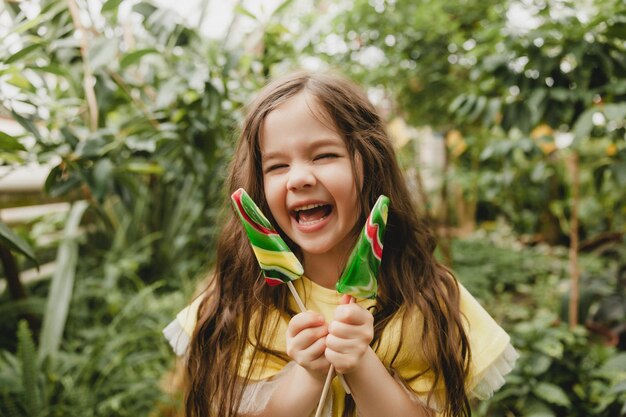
88,78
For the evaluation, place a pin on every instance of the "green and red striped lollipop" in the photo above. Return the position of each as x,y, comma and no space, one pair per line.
278,263
359,276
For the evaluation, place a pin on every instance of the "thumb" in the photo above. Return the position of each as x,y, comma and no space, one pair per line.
346,299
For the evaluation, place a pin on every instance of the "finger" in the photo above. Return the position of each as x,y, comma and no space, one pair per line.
320,365
313,351
344,346
351,331
302,321
310,356
308,336
342,362
352,314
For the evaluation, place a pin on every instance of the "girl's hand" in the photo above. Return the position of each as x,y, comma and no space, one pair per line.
349,336
306,342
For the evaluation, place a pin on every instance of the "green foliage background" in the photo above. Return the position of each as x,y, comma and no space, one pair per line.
139,120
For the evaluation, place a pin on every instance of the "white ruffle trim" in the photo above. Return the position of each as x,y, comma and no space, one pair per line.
176,336
257,394
492,378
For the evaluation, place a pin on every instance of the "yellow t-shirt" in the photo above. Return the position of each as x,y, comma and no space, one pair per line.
487,340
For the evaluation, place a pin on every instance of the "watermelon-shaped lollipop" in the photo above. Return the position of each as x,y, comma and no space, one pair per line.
359,276
277,261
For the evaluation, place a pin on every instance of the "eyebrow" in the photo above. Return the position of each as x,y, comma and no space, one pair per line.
319,143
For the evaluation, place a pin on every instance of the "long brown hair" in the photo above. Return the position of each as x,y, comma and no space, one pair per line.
410,276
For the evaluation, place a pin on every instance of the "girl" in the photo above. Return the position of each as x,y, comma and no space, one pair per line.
314,155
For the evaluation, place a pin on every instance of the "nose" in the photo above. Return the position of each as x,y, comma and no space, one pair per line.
300,176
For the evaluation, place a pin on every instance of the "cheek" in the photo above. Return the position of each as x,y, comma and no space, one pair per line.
274,196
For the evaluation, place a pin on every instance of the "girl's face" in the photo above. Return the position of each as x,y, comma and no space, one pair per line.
308,180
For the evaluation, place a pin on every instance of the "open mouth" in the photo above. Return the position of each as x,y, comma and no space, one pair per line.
312,213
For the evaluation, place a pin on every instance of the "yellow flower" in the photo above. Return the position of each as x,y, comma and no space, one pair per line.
611,150
547,147
455,142
541,131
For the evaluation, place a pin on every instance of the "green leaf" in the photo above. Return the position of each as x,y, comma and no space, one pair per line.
12,310
22,53
28,24
15,243
551,393
615,112
617,30
59,182
21,82
561,94
619,388
91,147
493,108
619,171
242,10
27,124
616,363
584,124
102,52
103,177
456,103
52,69
537,409
539,364
62,284
481,103
145,9
28,359
48,12
550,347
282,7
467,106
110,5
10,158
144,168
10,143
133,57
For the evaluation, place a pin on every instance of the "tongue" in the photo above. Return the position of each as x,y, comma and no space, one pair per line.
313,214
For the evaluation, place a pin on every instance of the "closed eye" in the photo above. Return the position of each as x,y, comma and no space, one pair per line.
275,167
327,156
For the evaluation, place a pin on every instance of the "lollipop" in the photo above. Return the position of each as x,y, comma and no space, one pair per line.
359,276
278,263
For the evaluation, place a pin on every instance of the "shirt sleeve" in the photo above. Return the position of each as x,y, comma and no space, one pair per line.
492,356
178,332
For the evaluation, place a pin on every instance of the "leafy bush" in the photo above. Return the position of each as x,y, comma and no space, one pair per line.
560,371
114,359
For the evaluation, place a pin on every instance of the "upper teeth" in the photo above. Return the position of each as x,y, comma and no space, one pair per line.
309,207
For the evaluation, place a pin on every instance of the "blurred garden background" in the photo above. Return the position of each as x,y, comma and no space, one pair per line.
118,118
